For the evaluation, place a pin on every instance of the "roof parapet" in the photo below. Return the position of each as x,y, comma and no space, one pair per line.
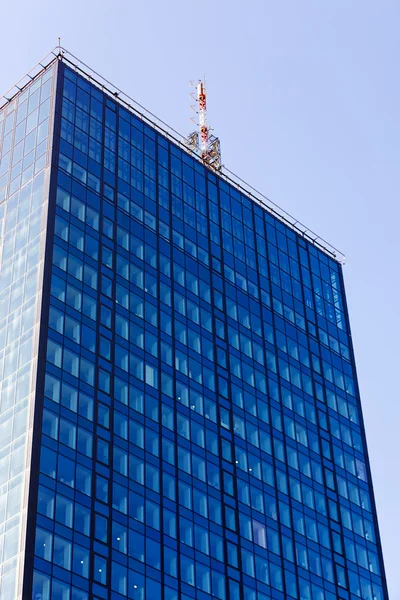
60,53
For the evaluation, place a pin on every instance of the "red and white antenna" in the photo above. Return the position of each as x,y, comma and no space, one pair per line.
207,145
202,112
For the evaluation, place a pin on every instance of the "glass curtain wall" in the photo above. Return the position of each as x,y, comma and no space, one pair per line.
26,124
201,433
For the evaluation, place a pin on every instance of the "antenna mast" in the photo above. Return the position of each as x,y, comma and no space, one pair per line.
202,112
203,142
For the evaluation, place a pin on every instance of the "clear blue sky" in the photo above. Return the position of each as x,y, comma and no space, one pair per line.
305,98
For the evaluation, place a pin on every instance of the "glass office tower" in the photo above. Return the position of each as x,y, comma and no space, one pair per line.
179,410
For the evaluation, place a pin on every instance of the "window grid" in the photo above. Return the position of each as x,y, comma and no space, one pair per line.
201,431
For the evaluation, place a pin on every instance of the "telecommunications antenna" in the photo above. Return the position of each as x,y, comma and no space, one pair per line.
202,141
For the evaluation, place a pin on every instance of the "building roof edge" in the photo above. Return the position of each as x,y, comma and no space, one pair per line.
60,53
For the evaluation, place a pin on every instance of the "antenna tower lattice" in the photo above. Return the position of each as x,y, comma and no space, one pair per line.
202,141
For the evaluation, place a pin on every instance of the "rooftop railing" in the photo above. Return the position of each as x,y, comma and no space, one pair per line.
60,53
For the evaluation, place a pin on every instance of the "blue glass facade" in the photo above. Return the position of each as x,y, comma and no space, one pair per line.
25,148
198,430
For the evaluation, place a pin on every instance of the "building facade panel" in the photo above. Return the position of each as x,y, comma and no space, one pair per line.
26,125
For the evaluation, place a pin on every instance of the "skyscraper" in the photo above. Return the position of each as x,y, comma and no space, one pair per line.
179,410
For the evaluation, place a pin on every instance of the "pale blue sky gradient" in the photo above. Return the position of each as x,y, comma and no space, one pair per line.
305,98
